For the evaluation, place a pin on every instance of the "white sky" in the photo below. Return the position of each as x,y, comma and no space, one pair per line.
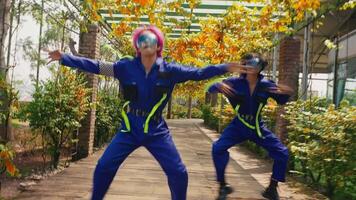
22,71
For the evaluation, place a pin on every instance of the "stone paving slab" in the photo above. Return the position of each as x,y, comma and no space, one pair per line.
141,178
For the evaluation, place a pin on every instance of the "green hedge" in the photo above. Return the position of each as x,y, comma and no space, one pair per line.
321,140
180,111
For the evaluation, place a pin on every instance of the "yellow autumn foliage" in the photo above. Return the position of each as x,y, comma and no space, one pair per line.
221,39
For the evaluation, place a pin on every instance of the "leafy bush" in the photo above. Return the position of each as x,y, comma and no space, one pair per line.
108,113
351,97
322,142
180,111
269,114
2,114
8,104
196,113
57,108
209,118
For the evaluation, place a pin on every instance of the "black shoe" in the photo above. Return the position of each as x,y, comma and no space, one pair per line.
271,193
224,191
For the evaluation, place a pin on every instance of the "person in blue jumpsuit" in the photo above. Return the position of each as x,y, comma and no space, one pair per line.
248,95
147,81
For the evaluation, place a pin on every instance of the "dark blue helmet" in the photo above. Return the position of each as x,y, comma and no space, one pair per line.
255,61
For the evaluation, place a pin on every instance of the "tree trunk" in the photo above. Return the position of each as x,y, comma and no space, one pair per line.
10,35
55,157
39,46
5,6
207,98
189,114
214,99
10,99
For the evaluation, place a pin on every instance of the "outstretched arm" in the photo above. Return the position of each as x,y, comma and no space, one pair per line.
185,73
82,63
225,87
280,93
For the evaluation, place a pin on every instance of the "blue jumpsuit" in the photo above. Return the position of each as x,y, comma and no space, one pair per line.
247,125
143,93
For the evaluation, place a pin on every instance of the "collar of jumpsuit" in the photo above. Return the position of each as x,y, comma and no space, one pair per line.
249,100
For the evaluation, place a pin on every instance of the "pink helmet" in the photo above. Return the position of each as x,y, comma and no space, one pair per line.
160,37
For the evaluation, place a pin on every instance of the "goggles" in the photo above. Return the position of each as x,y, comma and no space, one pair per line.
254,62
146,39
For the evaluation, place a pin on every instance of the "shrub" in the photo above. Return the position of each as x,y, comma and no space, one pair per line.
180,111
322,142
108,113
57,108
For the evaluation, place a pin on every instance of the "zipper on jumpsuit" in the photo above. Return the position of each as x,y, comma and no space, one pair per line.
147,94
251,131
251,106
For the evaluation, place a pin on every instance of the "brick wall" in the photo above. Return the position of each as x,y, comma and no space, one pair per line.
288,72
89,47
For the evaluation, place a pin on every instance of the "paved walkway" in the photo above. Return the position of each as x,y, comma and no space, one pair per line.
141,178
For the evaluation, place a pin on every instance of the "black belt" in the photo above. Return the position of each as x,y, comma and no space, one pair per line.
142,113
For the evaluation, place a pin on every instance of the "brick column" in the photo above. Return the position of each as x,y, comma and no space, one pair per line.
88,47
288,74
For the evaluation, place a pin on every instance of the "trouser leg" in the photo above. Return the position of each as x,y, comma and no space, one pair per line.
163,149
233,134
277,151
120,147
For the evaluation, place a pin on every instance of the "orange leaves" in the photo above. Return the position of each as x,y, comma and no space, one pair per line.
93,3
10,167
124,10
302,6
266,14
144,2
80,93
221,39
174,5
225,38
6,157
95,16
4,153
121,29
91,7
193,3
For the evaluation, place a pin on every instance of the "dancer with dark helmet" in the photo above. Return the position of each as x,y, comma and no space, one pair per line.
248,95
